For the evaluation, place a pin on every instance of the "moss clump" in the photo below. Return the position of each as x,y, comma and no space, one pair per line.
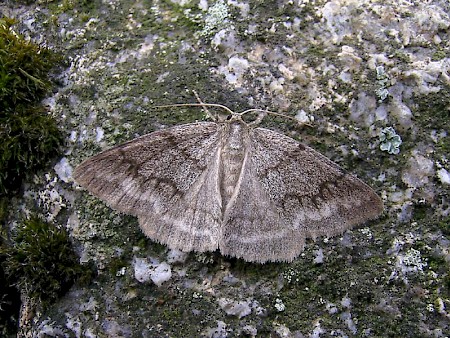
24,68
9,298
29,141
29,136
9,307
40,261
444,226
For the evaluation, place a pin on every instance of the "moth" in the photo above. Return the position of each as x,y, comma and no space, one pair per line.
247,191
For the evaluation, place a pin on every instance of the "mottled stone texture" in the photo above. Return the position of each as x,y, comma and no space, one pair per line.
349,68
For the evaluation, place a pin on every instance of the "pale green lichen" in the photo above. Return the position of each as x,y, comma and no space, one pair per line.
408,262
390,141
413,260
383,82
216,19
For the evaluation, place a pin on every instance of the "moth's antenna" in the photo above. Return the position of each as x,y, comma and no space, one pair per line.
200,104
195,105
263,113
204,106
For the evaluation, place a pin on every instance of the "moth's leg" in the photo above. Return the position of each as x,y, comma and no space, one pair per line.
262,114
204,106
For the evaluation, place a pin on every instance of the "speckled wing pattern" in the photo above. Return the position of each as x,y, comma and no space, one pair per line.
300,193
167,179
277,192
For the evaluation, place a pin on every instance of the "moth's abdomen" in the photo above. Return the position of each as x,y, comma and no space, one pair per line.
232,159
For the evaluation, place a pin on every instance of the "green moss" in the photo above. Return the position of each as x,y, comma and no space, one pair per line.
9,297
40,261
3,209
446,282
116,264
435,263
254,272
444,226
29,135
439,55
443,145
402,57
421,211
24,68
9,307
431,110
29,141
308,290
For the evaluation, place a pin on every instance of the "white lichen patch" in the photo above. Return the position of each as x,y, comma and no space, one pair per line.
238,308
398,243
50,198
349,58
444,176
408,262
48,328
331,308
74,324
150,269
279,305
216,332
418,171
367,232
282,331
291,275
235,70
398,109
319,256
337,19
303,117
64,170
402,201
99,134
216,18
176,256
412,260
226,40
427,74
346,302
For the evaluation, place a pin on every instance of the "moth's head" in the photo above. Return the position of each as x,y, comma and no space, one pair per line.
230,118
244,118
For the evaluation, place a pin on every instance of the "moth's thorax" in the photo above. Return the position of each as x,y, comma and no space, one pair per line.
233,153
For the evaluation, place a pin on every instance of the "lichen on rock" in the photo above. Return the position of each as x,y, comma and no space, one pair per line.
346,68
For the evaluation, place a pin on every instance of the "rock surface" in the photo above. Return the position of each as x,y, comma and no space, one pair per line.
349,68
